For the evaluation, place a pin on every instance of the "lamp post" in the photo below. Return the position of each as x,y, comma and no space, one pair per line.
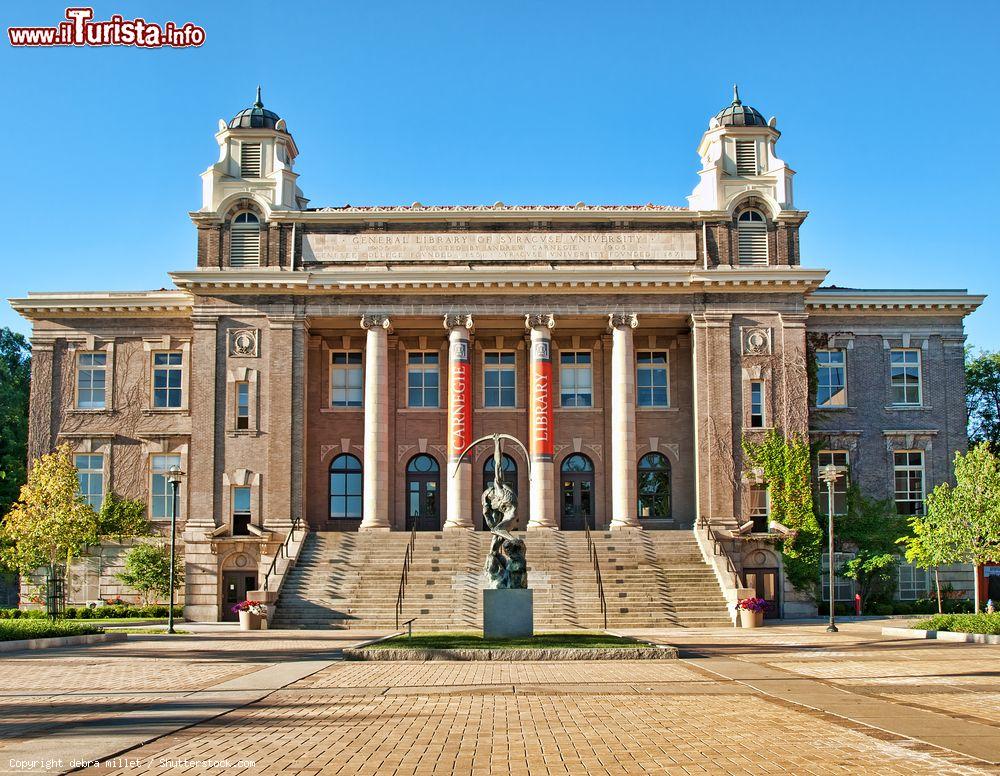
174,475
830,474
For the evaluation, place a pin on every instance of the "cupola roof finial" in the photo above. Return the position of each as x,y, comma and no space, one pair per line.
257,102
736,94
736,114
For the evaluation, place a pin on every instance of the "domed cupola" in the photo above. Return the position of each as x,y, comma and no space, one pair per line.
256,117
737,114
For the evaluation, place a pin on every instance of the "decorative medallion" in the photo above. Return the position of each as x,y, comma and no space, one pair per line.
241,560
756,341
243,343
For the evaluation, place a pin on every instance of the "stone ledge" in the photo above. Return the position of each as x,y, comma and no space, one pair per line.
967,638
61,641
512,654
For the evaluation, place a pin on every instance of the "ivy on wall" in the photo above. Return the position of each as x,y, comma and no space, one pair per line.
784,463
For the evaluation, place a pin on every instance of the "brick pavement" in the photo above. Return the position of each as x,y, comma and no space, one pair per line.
615,717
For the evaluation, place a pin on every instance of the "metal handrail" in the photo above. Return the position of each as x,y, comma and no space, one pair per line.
405,574
592,550
282,552
719,549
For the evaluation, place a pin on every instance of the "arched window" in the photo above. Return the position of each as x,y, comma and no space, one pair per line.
509,475
577,477
654,487
423,486
751,232
244,241
346,484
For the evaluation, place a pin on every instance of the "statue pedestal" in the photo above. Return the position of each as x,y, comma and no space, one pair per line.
508,614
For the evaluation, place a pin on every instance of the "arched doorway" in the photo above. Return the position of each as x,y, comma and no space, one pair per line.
509,477
654,487
423,493
577,478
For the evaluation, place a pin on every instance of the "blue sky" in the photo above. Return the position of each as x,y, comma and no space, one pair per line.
889,113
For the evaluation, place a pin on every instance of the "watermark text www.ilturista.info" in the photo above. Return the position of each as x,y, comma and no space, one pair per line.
80,29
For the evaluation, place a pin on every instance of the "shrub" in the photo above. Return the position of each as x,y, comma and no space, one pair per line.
902,607
34,628
27,614
963,623
882,610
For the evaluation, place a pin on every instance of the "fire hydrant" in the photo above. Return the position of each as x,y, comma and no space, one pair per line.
857,604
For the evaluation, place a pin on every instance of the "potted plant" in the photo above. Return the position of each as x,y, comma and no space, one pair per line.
251,614
752,611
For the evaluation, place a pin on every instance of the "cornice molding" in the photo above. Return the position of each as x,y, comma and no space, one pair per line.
152,304
845,301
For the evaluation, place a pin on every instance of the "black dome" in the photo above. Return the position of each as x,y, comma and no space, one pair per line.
739,115
255,117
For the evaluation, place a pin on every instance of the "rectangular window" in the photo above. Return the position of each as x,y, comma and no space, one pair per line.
90,473
760,507
843,587
746,157
908,473
904,375
91,379
243,405
241,511
422,378
837,458
651,384
346,379
912,582
160,492
167,373
499,379
249,160
831,378
757,404
576,384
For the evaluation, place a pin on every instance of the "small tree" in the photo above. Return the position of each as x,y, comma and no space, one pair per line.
147,570
927,546
967,515
874,573
51,522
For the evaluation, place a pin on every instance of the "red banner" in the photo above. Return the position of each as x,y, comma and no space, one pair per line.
459,398
540,401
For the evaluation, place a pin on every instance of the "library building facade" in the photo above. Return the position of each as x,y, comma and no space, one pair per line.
324,367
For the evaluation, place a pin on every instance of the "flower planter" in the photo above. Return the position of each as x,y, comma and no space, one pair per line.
750,619
250,621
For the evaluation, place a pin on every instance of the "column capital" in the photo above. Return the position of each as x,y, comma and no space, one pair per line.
539,321
621,320
377,321
457,321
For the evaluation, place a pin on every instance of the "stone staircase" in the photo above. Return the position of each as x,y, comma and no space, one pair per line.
651,579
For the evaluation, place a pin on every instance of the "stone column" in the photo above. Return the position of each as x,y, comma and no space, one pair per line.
540,431
459,485
377,468
624,489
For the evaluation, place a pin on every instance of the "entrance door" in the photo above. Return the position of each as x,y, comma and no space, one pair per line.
577,479
765,583
423,486
235,586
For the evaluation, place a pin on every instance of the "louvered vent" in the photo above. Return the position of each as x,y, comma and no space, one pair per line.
244,241
751,231
250,160
746,157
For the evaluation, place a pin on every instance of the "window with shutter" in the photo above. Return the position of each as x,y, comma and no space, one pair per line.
244,241
751,232
746,157
250,160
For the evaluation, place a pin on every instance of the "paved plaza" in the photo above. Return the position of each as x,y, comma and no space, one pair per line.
784,699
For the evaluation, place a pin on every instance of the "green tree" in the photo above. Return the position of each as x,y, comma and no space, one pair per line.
967,515
928,546
871,529
982,395
15,381
147,570
121,517
51,522
874,573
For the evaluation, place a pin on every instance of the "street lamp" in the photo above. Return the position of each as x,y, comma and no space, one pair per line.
830,474
174,475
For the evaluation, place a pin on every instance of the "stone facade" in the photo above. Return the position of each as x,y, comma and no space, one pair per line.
611,337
